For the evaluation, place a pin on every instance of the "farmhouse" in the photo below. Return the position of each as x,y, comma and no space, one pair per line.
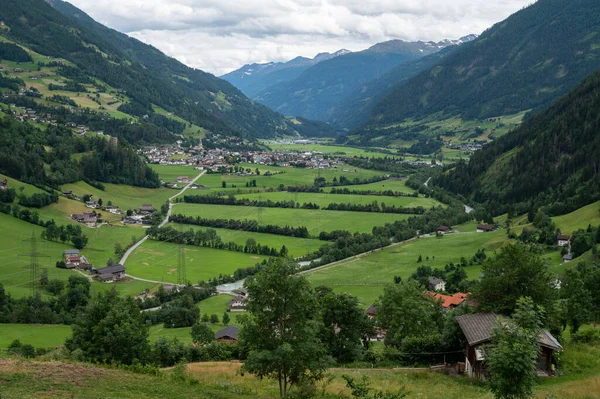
73,259
371,312
567,258
228,334
443,230
86,218
486,228
147,208
183,179
449,301
237,304
436,284
110,273
563,240
478,327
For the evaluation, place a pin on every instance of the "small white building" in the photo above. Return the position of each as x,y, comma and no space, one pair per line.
563,240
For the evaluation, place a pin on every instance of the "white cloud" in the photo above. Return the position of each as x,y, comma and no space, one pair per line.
221,35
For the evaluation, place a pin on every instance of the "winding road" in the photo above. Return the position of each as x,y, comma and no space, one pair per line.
165,221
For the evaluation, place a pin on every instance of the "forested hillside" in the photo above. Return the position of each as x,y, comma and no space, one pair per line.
146,75
552,160
318,91
522,63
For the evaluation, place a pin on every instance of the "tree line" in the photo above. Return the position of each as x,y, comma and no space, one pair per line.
231,200
246,225
383,193
210,239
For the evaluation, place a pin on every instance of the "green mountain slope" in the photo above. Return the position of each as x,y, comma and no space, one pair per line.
355,109
318,91
553,159
522,63
146,75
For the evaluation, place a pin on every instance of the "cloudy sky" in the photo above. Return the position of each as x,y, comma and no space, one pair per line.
219,36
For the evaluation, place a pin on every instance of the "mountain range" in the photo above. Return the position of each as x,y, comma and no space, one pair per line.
315,88
149,78
522,63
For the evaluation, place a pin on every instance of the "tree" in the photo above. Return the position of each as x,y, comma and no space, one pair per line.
512,357
578,301
405,311
111,330
44,278
202,334
517,271
118,249
224,184
225,318
214,319
204,318
280,330
344,325
100,202
55,286
79,241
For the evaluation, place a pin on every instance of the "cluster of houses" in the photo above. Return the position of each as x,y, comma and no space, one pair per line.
468,147
140,216
75,260
481,228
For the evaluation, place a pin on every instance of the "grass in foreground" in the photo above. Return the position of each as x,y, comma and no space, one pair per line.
38,335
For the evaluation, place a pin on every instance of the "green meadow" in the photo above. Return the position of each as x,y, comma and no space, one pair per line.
125,197
330,149
158,261
324,199
280,175
365,276
579,219
393,184
296,246
20,187
170,173
38,335
315,221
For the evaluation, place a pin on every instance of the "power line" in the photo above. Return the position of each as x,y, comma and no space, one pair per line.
34,263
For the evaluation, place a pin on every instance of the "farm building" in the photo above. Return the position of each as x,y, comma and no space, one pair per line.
372,311
449,301
563,240
478,328
237,304
228,334
436,284
486,228
444,230
110,273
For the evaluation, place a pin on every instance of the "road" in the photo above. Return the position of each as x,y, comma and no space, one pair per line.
165,221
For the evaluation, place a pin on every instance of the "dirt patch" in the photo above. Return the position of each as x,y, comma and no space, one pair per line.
255,257
171,271
57,372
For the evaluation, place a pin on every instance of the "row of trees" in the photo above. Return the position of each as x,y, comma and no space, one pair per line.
231,200
210,239
246,225
384,193
375,207
65,233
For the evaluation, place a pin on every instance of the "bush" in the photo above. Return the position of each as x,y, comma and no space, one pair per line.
586,336
28,351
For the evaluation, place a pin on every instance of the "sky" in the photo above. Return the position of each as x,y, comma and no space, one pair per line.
219,36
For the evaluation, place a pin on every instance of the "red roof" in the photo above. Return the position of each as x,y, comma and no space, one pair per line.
449,301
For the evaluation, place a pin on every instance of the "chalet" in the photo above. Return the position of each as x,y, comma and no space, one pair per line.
91,204
443,230
112,209
183,179
237,304
478,328
436,284
229,335
147,208
486,228
67,193
110,273
371,311
86,218
449,301
563,240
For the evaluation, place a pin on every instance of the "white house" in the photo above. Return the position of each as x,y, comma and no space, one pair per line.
436,284
563,240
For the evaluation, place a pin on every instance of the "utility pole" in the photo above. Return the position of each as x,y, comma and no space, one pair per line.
34,263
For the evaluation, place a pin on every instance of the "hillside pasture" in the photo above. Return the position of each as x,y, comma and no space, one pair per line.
21,187
125,197
170,173
158,261
315,221
365,275
394,184
330,150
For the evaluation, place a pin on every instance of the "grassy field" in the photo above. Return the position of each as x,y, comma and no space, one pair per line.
38,335
125,197
289,177
155,260
315,221
579,219
323,199
27,189
296,246
391,184
170,173
366,275
329,149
